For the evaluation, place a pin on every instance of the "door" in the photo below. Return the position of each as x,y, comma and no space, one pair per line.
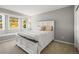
77,28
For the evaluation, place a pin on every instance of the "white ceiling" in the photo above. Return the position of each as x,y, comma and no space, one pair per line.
32,9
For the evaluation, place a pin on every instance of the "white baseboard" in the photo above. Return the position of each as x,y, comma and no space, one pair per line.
64,42
7,34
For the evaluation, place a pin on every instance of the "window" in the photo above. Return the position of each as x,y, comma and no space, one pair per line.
2,22
29,24
13,23
24,23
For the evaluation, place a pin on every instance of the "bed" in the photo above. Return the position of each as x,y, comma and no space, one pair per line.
33,42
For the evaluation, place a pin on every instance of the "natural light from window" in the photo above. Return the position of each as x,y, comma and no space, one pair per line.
13,23
2,22
23,23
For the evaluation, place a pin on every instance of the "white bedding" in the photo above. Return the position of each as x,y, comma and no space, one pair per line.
43,38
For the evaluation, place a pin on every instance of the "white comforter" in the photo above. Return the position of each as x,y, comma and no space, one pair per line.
43,37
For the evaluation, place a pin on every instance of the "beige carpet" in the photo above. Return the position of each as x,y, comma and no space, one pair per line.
59,48
9,47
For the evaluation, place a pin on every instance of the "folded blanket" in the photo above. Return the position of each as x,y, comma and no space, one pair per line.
28,38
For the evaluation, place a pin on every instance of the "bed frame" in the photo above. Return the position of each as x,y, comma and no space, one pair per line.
32,46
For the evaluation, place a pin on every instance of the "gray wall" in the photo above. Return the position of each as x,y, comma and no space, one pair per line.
64,22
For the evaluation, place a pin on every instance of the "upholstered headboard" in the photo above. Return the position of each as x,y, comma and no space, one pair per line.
46,25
